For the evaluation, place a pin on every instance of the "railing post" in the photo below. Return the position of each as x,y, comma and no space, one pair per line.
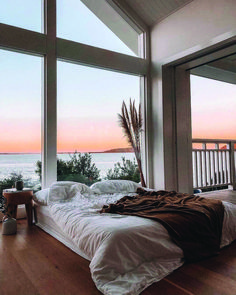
232,165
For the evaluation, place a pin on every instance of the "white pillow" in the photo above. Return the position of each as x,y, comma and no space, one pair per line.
41,197
83,188
57,193
64,190
61,191
114,186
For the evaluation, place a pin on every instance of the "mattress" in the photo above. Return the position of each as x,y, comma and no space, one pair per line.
46,223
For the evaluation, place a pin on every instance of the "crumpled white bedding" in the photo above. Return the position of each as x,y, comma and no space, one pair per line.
127,253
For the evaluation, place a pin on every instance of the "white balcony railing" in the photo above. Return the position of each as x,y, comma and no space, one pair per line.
213,163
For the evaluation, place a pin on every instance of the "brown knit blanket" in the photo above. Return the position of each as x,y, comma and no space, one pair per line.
194,223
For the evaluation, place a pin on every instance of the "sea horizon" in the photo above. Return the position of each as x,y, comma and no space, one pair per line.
115,150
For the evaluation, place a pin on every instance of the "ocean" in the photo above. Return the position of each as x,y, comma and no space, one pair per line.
26,163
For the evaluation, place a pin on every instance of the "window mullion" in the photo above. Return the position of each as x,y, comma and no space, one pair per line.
49,128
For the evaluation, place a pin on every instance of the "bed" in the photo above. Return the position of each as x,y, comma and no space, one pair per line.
126,253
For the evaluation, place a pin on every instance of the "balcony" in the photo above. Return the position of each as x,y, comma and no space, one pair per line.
213,164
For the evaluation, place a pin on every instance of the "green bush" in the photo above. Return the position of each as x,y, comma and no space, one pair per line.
78,168
127,170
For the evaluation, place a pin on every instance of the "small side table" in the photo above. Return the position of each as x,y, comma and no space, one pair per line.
15,198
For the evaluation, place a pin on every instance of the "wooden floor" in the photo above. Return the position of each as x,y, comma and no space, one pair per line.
32,262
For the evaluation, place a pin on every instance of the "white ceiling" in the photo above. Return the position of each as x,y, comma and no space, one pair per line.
153,11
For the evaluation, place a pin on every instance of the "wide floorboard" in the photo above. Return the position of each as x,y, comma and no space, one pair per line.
32,262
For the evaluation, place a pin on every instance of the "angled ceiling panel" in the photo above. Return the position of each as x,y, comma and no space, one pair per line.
153,11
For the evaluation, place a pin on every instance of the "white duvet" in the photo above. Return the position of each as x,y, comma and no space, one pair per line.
127,253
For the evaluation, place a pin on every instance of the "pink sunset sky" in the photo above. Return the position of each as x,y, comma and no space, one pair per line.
213,105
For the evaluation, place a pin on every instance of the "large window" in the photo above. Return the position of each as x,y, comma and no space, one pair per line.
20,128
79,107
88,104
26,14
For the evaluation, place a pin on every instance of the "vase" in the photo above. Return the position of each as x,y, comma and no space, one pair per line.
8,225
19,185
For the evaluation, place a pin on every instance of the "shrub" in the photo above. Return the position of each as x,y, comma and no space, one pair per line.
127,170
78,168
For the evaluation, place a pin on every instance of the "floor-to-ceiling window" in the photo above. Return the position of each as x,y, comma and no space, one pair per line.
100,43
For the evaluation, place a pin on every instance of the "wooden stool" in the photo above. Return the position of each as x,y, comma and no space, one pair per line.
15,198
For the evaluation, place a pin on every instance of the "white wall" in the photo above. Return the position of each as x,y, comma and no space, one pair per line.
198,25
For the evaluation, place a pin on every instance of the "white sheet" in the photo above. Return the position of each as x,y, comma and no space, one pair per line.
127,253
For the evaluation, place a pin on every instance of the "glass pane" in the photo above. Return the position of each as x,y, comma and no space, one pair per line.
213,106
20,128
97,24
26,14
89,101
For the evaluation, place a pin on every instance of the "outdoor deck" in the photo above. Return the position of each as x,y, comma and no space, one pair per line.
228,195
213,163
